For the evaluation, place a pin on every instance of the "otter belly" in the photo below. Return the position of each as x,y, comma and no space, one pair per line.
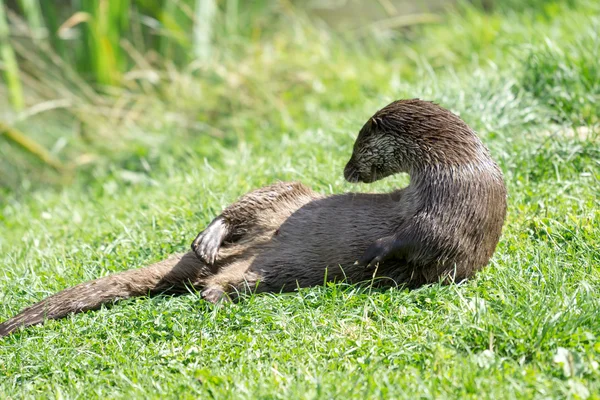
322,240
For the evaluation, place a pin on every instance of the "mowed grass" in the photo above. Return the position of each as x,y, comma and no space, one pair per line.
528,326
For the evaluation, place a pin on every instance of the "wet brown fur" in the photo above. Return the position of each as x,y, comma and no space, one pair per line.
443,227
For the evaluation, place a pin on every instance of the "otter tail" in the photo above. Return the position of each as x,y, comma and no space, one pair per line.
169,276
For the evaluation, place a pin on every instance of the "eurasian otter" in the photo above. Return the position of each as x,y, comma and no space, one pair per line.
444,226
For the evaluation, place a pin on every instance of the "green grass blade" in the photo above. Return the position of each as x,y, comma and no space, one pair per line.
50,14
203,28
11,68
175,43
102,35
33,14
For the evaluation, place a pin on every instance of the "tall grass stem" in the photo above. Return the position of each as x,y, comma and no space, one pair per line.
203,28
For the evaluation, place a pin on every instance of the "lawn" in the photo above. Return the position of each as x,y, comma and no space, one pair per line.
287,106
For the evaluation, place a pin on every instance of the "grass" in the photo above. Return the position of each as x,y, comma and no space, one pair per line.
288,105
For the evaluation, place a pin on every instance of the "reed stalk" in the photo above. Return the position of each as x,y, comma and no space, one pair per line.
205,12
10,65
30,146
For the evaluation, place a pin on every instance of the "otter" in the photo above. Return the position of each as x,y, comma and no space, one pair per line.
443,227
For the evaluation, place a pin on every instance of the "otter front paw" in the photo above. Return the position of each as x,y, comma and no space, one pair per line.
384,249
208,242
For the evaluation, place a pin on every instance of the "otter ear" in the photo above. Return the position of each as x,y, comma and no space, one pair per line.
374,121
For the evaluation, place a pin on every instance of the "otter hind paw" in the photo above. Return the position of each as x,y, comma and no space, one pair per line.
214,294
208,242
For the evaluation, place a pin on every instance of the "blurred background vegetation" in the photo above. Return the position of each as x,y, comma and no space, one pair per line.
90,87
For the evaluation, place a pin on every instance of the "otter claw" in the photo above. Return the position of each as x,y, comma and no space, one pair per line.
379,251
208,242
370,264
386,248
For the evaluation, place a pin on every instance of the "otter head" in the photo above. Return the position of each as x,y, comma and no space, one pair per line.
374,156
407,136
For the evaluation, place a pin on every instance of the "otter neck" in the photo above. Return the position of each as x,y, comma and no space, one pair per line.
442,183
